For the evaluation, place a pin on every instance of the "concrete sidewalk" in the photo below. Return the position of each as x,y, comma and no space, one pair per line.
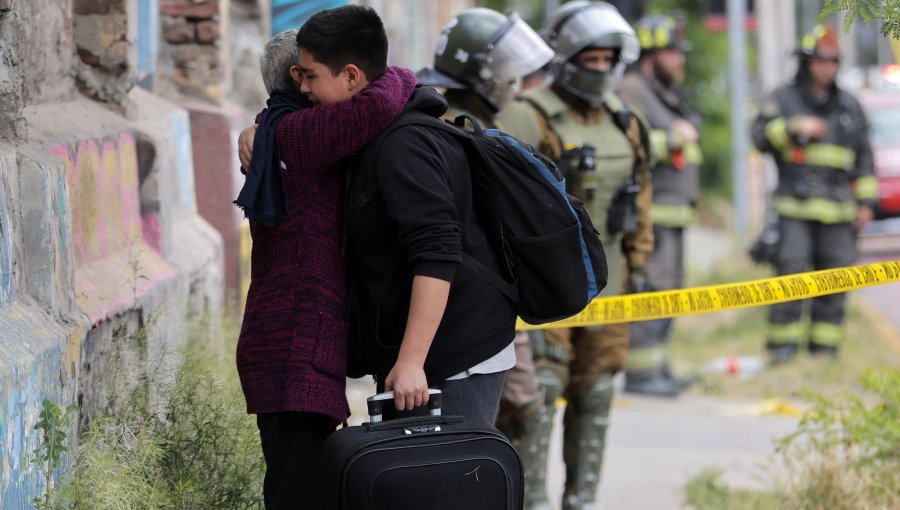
656,446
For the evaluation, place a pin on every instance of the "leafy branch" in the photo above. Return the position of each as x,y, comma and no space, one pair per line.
885,11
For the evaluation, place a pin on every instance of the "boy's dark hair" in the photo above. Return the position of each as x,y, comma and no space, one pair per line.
352,34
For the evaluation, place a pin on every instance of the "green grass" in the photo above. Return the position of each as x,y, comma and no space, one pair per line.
706,491
171,443
700,338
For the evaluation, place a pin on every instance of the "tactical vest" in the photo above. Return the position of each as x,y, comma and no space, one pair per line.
614,164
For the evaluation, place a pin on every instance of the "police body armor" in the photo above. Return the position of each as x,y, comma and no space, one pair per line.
676,176
594,184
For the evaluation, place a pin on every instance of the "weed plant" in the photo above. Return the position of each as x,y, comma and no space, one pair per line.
179,442
846,451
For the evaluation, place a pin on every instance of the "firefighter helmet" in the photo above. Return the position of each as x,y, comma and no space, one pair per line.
820,42
660,32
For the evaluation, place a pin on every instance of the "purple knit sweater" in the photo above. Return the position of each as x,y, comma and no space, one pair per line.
292,351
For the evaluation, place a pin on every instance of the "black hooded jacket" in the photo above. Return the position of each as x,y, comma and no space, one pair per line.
411,213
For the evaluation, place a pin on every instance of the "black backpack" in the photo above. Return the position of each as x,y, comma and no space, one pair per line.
554,260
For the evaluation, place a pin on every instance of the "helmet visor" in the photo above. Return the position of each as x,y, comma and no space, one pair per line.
518,51
598,26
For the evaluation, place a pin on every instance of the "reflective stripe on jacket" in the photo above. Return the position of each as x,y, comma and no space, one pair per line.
819,180
676,176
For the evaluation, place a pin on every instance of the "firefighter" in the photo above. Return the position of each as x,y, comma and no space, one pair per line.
603,149
826,190
652,86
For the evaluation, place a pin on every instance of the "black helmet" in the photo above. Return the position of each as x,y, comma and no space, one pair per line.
485,51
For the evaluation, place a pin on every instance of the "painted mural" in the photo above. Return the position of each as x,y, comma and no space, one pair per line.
6,276
288,14
103,190
114,262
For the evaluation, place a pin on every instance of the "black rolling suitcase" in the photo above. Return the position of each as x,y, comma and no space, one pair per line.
429,462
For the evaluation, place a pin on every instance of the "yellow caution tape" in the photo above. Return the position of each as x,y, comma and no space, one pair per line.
675,303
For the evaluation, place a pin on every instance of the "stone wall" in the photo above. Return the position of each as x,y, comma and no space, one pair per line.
104,257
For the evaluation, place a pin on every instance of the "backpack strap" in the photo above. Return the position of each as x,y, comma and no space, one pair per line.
508,289
369,159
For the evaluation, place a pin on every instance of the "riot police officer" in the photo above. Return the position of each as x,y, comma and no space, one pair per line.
480,59
652,86
603,149
826,190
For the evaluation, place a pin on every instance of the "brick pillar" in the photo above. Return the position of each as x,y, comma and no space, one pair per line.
104,39
193,45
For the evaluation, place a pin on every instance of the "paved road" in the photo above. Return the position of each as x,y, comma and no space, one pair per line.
656,446
882,244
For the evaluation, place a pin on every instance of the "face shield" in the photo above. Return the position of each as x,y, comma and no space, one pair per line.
596,23
515,51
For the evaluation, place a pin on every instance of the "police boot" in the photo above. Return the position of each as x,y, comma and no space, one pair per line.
534,448
653,383
529,431
586,420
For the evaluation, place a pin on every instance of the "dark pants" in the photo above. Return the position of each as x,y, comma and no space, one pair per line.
809,245
650,339
476,397
291,444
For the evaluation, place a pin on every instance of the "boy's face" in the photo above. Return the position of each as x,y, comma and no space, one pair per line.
321,86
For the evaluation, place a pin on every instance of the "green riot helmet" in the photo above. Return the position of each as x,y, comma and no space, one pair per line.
581,25
487,52
660,32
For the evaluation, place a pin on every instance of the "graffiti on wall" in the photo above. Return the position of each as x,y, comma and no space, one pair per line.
288,14
6,276
103,191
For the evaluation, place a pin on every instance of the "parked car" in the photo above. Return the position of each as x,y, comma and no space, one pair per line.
882,109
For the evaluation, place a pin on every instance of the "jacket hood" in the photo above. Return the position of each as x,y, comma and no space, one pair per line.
426,100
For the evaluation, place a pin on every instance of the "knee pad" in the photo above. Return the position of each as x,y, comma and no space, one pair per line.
593,394
552,377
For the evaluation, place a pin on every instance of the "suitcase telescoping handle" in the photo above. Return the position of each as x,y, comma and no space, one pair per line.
376,404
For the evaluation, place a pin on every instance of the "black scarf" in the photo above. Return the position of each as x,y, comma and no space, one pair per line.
263,197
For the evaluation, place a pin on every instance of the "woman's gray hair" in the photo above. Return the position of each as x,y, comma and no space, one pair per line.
280,53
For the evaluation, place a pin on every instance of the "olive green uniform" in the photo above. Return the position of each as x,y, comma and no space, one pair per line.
579,362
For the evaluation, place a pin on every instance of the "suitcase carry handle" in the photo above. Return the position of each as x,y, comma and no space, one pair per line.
415,424
376,404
